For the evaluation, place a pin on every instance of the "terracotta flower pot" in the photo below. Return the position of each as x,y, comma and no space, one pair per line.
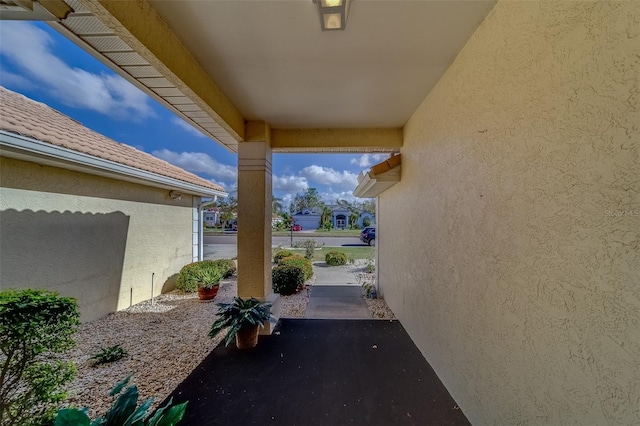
247,337
207,293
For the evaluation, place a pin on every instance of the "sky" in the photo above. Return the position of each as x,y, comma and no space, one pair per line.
43,65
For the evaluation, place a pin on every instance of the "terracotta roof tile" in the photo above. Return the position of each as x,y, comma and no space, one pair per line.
24,116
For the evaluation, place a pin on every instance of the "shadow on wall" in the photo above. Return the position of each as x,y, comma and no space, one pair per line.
169,284
76,254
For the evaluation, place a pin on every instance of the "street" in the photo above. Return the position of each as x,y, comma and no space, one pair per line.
225,246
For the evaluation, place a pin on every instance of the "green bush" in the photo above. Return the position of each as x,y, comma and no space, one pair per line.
287,279
36,327
228,267
302,263
310,247
110,354
336,258
280,255
205,273
124,411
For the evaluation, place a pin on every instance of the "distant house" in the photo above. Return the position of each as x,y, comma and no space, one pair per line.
310,219
210,217
89,217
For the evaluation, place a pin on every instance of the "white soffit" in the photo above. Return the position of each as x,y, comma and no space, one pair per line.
96,38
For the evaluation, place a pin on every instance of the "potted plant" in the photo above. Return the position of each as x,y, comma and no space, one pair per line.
243,317
203,277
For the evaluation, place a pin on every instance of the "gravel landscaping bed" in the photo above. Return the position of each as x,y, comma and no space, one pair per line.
164,340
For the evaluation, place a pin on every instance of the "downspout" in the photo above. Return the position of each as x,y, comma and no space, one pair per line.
201,225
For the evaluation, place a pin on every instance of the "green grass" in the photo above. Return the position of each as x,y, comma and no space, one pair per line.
319,255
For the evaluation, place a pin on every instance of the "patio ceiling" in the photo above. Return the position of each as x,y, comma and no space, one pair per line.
221,63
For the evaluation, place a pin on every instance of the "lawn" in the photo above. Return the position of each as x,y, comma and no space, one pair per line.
354,252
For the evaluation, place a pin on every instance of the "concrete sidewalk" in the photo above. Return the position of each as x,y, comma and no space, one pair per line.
336,294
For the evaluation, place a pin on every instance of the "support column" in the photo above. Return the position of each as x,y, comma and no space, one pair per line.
254,217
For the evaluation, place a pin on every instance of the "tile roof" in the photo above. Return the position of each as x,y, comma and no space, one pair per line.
24,116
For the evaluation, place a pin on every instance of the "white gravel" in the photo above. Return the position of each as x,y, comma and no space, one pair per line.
164,342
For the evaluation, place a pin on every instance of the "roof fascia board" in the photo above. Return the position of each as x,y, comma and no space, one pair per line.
69,159
361,140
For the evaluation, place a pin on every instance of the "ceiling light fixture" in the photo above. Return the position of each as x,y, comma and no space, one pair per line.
333,14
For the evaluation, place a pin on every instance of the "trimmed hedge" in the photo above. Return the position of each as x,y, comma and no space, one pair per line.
207,273
280,255
336,258
36,328
287,279
227,265
302,263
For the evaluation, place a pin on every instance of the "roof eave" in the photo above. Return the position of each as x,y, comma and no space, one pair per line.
29,149
381,177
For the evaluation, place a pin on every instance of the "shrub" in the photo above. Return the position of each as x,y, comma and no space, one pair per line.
336,258
310,247
280,255
287,279
36,327
228,267
302,263
110,354
206,274
124,411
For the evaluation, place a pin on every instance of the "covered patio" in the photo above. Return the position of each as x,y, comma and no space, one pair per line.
320,372
507,246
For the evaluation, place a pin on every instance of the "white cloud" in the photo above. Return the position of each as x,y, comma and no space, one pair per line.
30,49
367,160
331,197
9,79
329,176
187,127
291,184
201,163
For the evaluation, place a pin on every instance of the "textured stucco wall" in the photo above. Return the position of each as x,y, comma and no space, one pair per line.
89,237
510,248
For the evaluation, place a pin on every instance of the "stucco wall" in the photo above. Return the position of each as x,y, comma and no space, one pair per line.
93,238
510,248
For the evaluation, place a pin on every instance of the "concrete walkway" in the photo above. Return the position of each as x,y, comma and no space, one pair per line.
336,294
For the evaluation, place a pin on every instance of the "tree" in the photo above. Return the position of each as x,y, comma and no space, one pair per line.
228,208
276,205
309,199
369,206
325,219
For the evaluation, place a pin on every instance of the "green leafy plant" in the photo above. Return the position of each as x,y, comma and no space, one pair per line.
369,290
335,258
302,263
228,267
204,274
287,279
110,354
36,328
239,314
281,255
124,411
370,265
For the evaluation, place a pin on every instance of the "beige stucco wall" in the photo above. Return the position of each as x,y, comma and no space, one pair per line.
93,238
510,248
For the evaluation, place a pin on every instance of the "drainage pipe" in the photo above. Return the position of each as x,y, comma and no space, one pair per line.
201,207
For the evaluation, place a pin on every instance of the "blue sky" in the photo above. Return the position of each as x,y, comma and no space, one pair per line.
43,65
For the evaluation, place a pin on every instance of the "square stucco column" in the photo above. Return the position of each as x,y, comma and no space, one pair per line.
254,216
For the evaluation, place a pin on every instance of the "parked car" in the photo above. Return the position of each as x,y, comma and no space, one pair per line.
296,228
368,235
